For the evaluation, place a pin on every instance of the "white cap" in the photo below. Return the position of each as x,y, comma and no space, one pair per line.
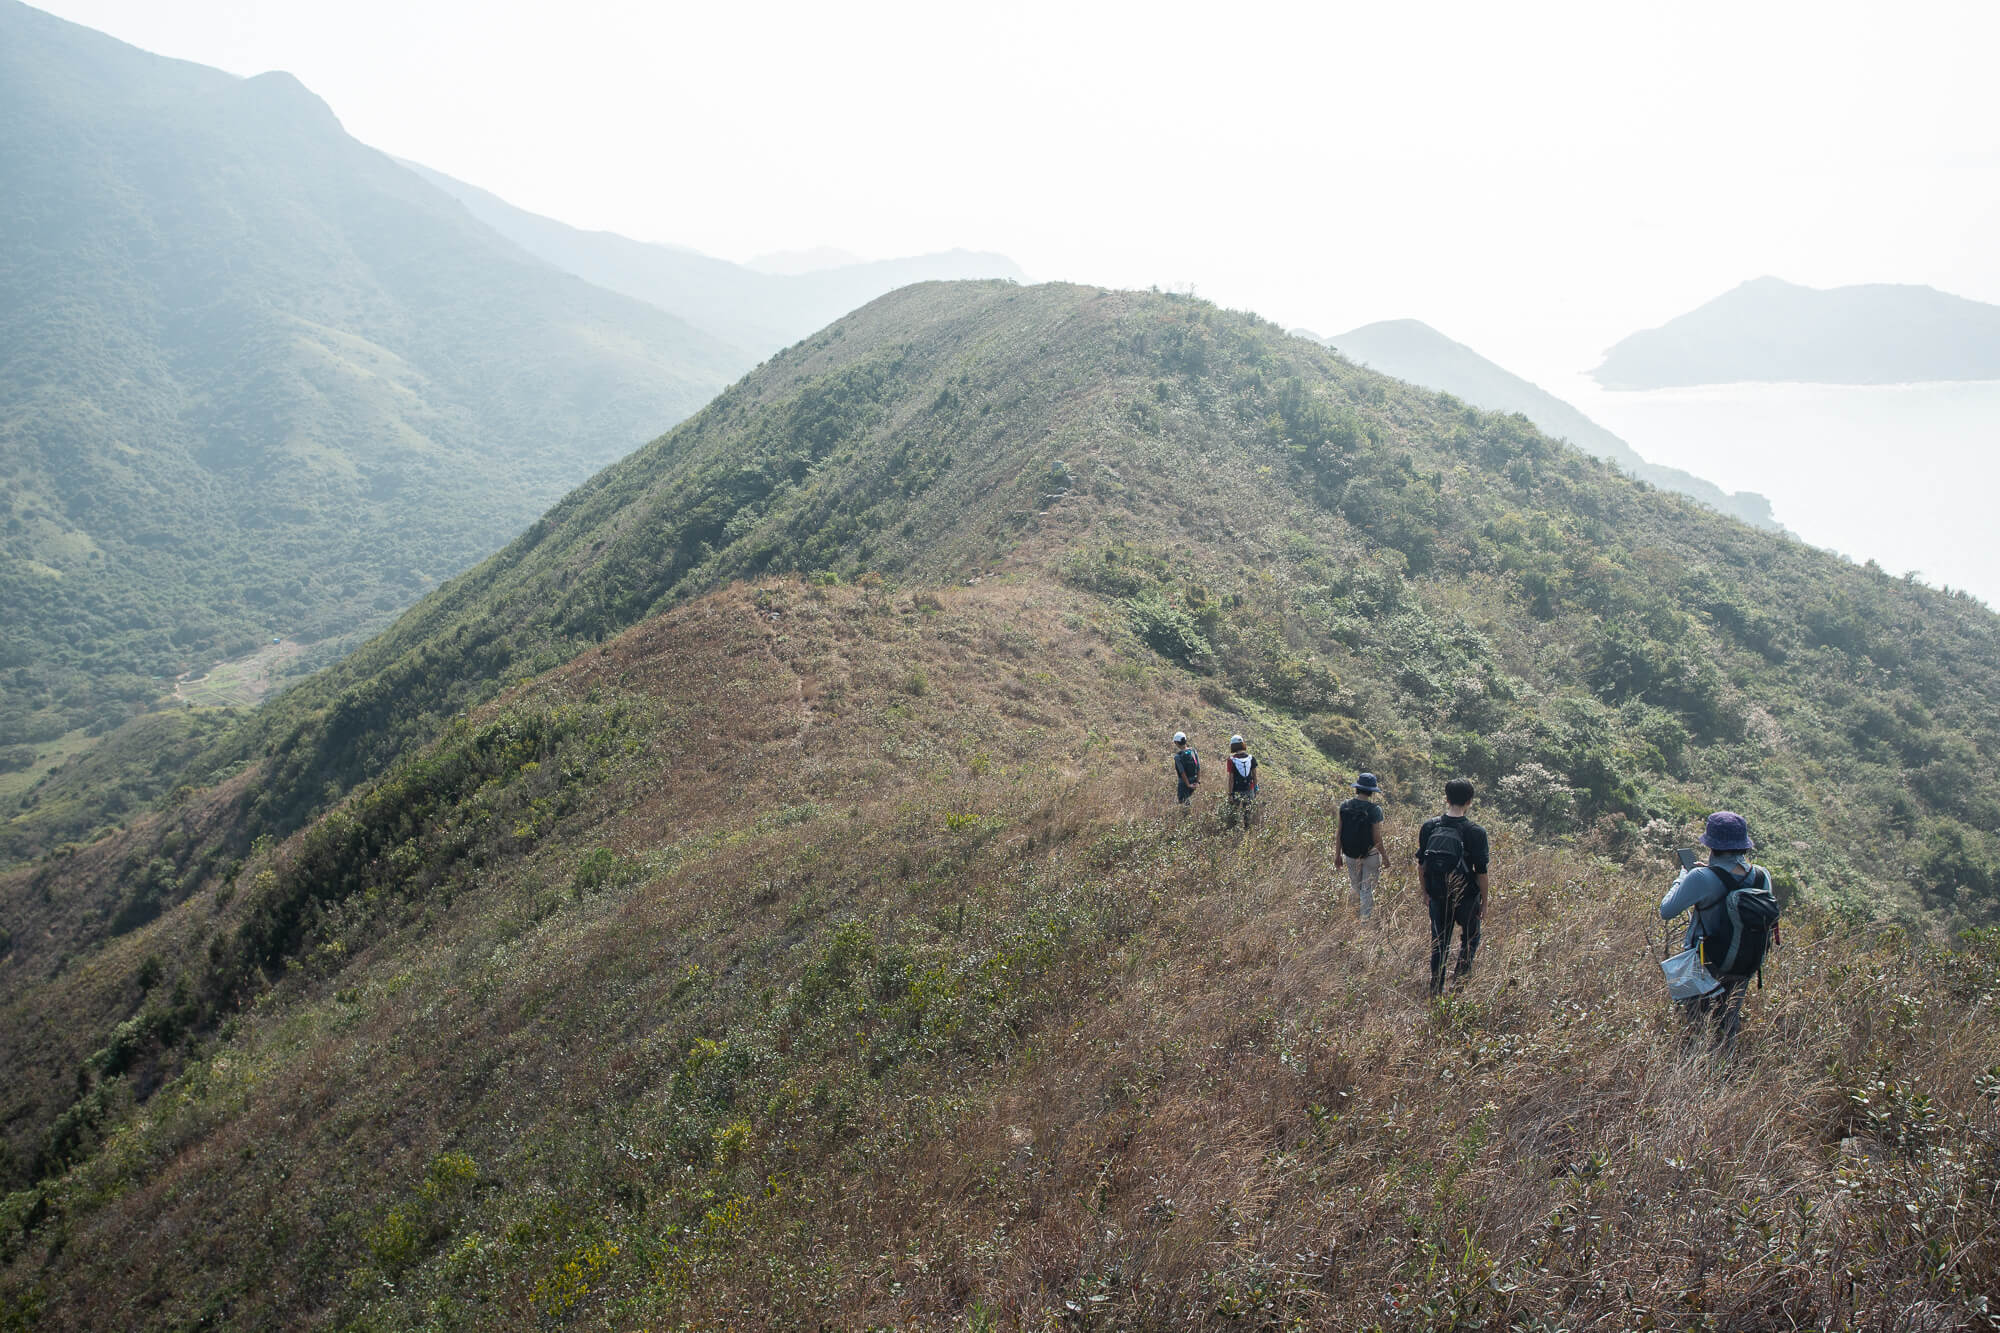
1236,740
1180,738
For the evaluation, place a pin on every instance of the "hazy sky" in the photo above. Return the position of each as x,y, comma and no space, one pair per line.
1536,179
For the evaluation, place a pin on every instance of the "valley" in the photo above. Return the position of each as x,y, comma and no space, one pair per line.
254,372
239,682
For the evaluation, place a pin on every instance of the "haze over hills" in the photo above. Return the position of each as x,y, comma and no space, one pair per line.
1772,330
759,307
757,889
257,378
803,261
1412,350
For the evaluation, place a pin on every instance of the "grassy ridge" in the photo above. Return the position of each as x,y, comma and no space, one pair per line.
607,884
1378,573
869,978
1448,584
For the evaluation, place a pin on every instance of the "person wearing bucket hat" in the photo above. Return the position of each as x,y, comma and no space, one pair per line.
1733,922
1359,844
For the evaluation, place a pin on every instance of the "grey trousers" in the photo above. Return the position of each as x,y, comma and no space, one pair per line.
1364,873
1719,1015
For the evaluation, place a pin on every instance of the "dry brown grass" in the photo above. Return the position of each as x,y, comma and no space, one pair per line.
1260,1116
1188,1088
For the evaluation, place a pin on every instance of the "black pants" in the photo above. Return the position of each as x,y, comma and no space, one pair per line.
1461,909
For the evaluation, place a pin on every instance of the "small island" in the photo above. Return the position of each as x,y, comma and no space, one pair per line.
1771,331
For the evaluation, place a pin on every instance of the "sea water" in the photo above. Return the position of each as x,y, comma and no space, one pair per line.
1906,475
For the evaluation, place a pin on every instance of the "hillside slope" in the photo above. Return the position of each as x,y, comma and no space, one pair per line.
756,310
818,956
1769,329
634,935
256,378
1412,350
1489,597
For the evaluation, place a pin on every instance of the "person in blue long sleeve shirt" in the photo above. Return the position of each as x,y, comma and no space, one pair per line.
1701,892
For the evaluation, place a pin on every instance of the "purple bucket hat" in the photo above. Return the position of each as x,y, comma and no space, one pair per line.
1727,832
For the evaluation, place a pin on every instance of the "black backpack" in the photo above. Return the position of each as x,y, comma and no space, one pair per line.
1188,764
1749,912
1357,837
1445,866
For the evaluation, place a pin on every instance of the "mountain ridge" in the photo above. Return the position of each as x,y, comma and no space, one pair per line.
255,377
709,906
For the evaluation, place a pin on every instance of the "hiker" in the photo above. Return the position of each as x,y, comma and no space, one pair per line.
1734,923
1187,767
1451,856
1359,846
1242,783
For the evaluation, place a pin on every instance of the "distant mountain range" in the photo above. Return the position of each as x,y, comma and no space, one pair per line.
1772,330
255,376
1412,350
759,309
803,261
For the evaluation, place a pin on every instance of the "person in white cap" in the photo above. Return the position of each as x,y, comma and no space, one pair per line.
1187,767
1242,783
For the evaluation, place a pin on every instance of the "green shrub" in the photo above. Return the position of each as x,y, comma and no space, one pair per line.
1169,632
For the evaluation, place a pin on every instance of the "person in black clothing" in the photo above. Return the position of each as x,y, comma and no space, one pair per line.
1359,845
1451,857
1187,767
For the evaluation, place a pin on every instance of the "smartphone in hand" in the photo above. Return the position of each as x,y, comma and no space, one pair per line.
1689,857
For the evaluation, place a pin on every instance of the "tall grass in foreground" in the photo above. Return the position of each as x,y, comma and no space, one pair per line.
994,1047
1259,1116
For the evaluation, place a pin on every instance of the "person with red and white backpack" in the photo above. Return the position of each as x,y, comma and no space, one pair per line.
1242,772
